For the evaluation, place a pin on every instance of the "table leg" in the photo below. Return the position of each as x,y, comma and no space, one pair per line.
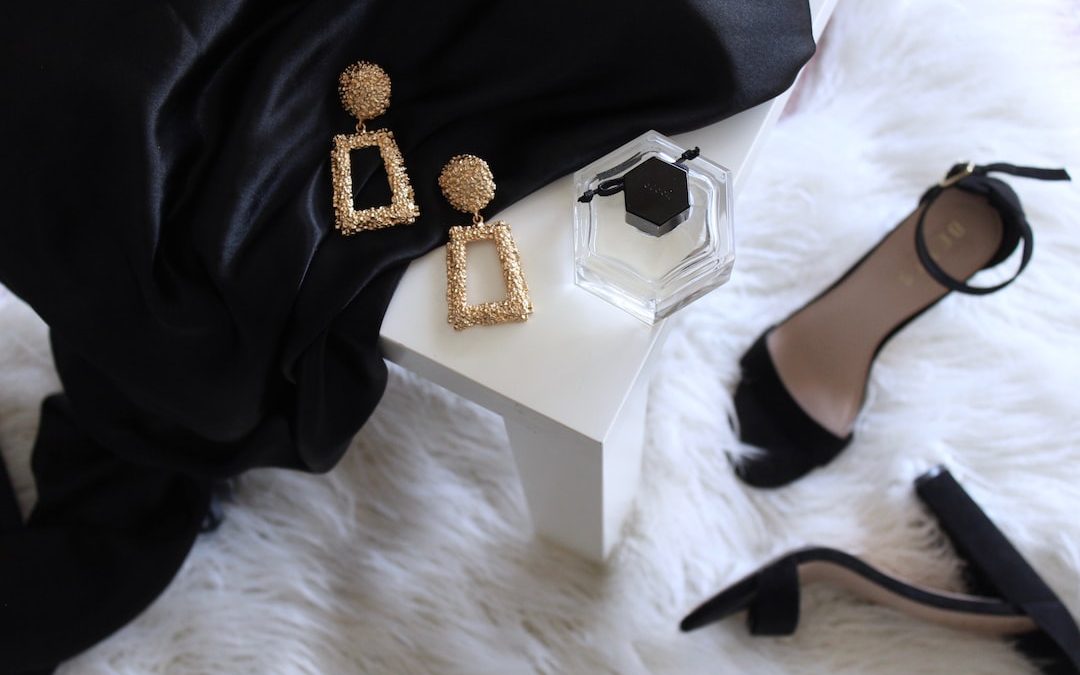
580,489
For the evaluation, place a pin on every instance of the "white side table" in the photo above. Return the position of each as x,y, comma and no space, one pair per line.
570,383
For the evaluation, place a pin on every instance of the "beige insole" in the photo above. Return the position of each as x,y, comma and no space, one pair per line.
842,577
823,353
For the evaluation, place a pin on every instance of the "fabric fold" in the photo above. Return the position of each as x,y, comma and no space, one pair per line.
168,214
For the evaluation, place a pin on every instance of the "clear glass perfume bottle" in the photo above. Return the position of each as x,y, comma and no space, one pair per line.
641,249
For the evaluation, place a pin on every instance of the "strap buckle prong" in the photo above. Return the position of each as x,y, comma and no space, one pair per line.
969,168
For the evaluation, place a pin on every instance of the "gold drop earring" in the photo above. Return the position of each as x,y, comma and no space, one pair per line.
365,92
468,185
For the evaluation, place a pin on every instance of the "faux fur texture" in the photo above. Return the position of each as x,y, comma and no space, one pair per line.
415,554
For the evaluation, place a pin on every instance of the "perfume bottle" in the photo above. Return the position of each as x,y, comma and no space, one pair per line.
652,227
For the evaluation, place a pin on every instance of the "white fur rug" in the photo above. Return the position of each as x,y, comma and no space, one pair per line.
415,554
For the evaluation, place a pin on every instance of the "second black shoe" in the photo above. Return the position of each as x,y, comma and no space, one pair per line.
1008,597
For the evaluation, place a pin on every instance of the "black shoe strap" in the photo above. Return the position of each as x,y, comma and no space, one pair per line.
958,175
775,609
996,562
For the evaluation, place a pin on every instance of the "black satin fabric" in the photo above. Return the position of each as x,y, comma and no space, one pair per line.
167,211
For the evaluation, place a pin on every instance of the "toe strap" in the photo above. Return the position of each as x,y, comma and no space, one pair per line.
771,419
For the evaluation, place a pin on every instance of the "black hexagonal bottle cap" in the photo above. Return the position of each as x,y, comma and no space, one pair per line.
657,196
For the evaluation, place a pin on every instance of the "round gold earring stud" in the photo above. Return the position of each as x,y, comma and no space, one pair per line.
365,90
467,183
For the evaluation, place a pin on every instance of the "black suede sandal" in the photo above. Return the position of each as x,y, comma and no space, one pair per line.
1009,598
804,380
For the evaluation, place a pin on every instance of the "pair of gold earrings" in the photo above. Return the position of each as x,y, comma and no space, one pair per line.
466,182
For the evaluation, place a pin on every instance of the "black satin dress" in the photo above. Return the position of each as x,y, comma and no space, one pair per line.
167,211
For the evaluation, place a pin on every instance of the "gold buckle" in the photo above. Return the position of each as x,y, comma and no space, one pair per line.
969,168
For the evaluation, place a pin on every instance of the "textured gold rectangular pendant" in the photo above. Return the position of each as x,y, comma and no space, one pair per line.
402,208
515,307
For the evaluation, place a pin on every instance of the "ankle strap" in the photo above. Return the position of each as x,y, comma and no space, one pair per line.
972,177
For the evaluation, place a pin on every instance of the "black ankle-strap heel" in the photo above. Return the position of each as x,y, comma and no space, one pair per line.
1008,596
785,404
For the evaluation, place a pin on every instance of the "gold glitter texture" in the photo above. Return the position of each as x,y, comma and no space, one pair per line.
365,90
365,93
402,209
515,307
468,185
